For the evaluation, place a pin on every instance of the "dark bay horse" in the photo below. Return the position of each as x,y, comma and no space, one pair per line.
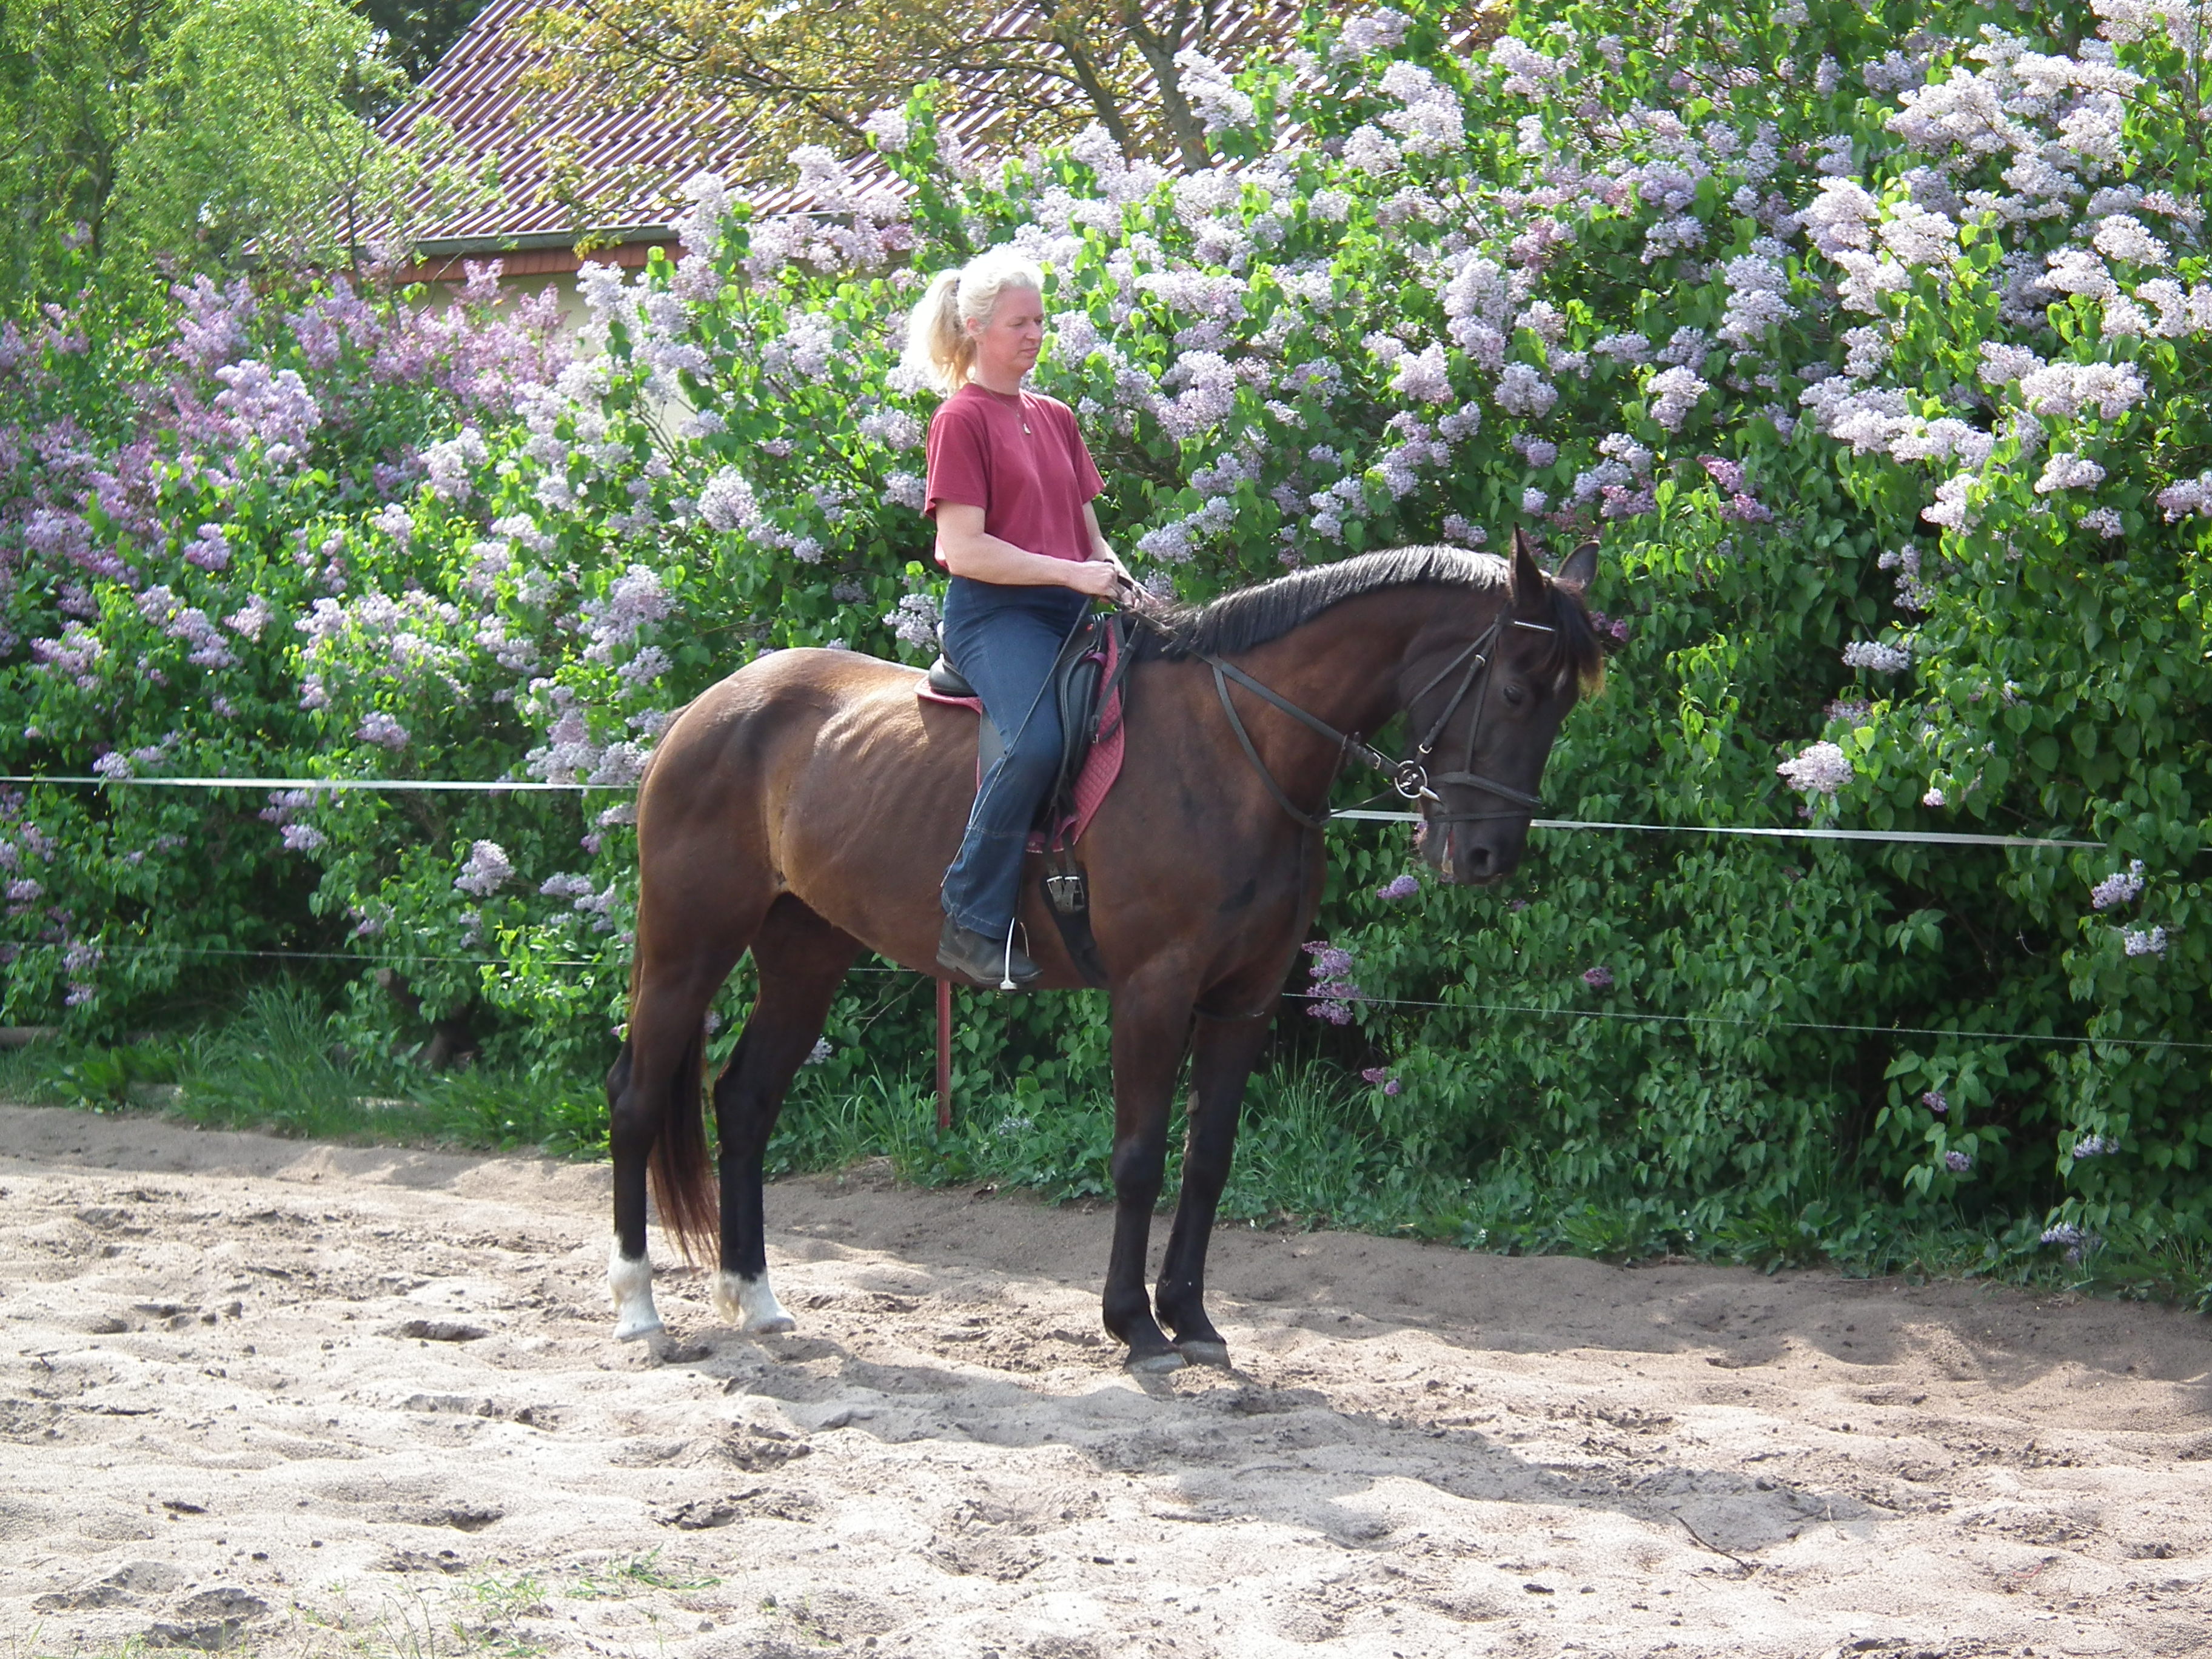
805,809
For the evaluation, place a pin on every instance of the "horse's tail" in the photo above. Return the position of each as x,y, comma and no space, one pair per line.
683,1177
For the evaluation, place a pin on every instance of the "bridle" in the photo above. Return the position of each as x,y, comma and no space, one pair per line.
1410,777
1477,656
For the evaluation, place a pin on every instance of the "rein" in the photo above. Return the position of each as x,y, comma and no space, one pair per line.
1409,777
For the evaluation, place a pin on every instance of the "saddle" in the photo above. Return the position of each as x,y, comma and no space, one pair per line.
1086,687
1082,689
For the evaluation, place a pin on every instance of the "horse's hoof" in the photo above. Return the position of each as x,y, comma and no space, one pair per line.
1205,1353
751,1305
633,1328
1155,1365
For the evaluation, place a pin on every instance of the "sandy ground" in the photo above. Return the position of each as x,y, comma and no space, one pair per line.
280,1399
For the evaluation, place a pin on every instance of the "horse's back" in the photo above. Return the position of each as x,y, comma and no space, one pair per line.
824,772
774,712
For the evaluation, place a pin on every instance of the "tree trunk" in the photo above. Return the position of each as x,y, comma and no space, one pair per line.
1159,51
1085,71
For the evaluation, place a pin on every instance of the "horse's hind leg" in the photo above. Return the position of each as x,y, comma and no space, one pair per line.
801,960
652,1093
1222,1052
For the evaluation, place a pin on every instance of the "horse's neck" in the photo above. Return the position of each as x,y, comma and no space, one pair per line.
1342,667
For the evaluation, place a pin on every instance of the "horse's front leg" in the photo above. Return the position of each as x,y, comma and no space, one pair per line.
1152,1024
1222,1054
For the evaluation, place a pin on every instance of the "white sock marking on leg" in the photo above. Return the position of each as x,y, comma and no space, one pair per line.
630,1279
750,1304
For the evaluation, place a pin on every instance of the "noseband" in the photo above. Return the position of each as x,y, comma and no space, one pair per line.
1409,777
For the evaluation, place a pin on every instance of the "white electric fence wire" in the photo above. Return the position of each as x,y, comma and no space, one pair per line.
1935,837
508,787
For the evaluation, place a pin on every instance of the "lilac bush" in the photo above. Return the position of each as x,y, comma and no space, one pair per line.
1870,341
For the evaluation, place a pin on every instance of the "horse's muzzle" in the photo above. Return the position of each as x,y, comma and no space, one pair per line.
1460,859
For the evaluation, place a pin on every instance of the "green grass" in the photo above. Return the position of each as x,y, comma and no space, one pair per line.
1313,1152
617,1580
278,1065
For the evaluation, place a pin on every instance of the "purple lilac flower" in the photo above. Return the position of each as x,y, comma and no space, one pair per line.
1877,657
2138,942
2095,1146
1333,990
1381,1078
381,728
488,869
2063,1232
1822,769
915,621
209,550
1935,1101
2118,888
1958,1162
1397,887
1599,978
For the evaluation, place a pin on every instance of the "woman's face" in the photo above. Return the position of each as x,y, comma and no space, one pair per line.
1007,341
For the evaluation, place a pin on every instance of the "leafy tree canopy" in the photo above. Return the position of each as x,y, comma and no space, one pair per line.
796,72
412,35
159,136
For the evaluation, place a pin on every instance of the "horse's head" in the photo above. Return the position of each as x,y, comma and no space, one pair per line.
1485,707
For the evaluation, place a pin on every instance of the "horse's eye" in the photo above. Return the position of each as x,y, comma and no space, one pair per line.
1515,695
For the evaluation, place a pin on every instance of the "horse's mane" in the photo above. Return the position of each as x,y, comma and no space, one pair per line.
1252,617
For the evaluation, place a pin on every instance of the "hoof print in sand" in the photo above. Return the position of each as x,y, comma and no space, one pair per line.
454,1405
208,1622
753,1449
760,1504
438,1330
123,1586
701,1513
446,1561
464,1517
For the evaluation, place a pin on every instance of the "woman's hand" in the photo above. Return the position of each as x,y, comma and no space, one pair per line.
1098,578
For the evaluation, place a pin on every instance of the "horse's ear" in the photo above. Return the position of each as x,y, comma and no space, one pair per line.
1528,573
1579,570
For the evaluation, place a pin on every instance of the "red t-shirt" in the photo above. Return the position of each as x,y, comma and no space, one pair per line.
1031,485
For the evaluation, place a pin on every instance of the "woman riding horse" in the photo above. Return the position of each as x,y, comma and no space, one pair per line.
804,810
1009,486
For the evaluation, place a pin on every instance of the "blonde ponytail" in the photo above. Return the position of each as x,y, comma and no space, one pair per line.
940,349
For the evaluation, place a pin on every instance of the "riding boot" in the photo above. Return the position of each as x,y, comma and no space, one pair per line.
985,961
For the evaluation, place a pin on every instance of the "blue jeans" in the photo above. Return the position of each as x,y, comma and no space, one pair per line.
1004,641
